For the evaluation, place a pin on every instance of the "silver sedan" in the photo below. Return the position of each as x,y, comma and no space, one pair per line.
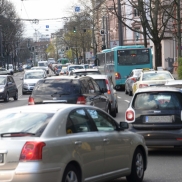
67,143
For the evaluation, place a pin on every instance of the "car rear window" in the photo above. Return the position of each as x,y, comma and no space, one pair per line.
156,76
57,86
34,75
157,100
101,83
31,122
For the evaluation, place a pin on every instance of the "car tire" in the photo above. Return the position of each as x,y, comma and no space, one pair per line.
6,99
113,113
16,96
137,168
130,93
126,92
71,174
23,93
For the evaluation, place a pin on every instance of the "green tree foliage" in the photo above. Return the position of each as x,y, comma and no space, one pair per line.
180,68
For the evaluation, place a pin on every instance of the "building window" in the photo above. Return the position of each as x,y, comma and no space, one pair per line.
136,12
136,34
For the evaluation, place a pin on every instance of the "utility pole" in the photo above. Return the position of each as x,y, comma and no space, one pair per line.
120,29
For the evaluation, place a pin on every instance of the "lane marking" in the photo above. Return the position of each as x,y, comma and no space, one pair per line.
119,97
127,101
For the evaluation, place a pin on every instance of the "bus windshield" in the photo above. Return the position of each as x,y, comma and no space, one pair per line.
133,57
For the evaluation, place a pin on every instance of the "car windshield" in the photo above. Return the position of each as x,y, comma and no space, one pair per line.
157,100
57,87
34,75
75,67
31,122
2,80
156,76
42,64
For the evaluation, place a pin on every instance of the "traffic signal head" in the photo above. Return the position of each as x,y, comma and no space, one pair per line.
102,32
74,29
103,47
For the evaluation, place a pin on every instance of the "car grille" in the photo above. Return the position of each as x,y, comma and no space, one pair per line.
31,84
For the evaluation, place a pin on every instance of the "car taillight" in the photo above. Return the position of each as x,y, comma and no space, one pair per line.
81,100
134,79
107,86
32,151
117,76
143,85
129,115
31,101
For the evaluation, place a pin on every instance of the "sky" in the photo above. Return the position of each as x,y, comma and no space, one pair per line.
48,12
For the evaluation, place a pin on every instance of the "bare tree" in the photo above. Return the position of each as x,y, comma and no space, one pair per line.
153,17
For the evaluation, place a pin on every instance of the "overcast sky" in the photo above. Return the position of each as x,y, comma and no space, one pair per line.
44,9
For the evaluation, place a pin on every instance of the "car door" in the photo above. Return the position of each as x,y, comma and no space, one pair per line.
102,100
10,87
14,88
116,143
87,143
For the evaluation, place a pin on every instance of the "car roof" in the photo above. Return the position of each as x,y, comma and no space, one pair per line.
4,75
155,71
66,77
99,76
44,108
158,88
85,70
34,71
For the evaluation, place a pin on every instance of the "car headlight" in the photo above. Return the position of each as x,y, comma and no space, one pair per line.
2,89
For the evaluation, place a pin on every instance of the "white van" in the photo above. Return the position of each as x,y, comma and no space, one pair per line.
10,68
43,64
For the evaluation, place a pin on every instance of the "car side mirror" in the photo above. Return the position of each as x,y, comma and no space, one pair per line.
123,125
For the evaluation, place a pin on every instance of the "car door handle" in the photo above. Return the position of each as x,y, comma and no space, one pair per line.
105,140
78,142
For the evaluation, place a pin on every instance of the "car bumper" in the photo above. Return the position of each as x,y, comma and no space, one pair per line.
161,137
27,89
31,173
2,95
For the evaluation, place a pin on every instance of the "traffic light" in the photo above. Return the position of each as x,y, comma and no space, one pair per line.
103,47
102,32
84,30
74,29
67,48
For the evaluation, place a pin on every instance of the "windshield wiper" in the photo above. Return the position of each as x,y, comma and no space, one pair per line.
16,134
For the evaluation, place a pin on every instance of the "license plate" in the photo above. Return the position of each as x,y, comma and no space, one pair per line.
1,158
158,119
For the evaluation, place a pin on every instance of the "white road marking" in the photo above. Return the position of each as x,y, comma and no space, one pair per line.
119,97
127,101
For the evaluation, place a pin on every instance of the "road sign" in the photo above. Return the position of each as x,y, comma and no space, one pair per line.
77,9
47,26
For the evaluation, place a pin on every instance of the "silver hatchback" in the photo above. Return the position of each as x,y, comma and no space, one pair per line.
62,142
106,85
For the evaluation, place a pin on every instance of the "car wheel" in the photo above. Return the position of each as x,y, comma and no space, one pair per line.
16,96
137,169
23,93
126,92
6,99
71,174
113,113
130,93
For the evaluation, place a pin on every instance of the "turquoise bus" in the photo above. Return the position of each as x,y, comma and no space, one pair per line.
124,59
62,61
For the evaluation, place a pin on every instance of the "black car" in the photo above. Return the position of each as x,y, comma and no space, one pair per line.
156,113
69,89
8,88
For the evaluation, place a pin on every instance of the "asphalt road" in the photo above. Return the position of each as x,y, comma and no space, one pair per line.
164,164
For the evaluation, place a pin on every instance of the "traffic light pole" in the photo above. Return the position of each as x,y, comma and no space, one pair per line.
120,30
